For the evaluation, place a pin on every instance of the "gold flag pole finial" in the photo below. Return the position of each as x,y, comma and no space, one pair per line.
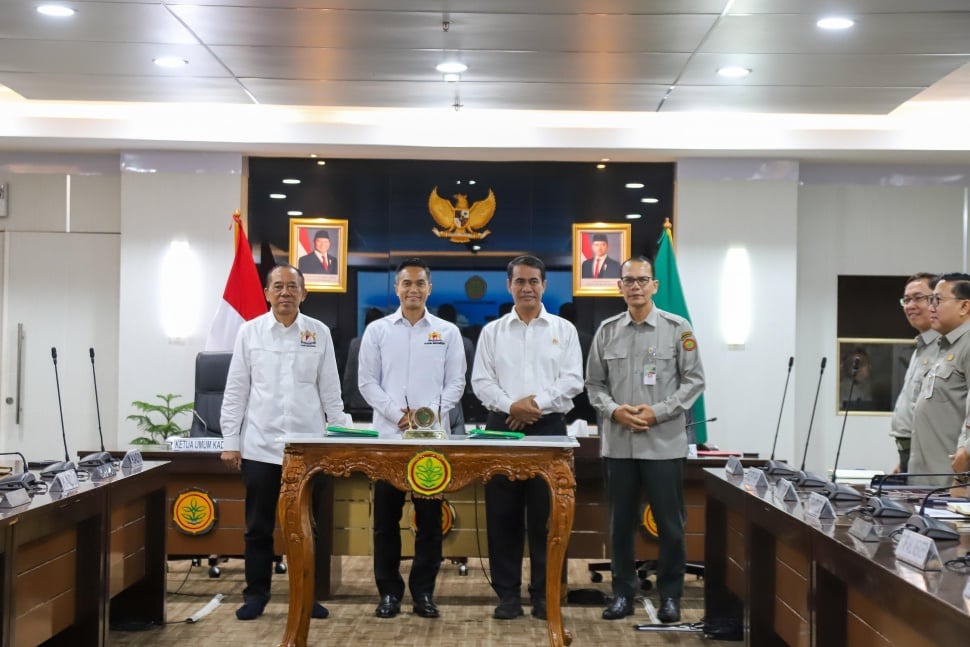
669,230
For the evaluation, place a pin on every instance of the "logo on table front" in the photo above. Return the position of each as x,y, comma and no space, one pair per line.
194,512
429,473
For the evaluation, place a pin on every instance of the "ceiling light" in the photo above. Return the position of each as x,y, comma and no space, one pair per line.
55,10
294,213
452,77
451,67
291,180
476,248
835,23
634,185
313,154
601,166
471,181
170,61
633,216
321,163
278,196
649,200
605,159
733,72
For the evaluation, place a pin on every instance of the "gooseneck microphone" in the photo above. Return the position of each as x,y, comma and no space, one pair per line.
889,508
803,478
934,528
773,467
23,480
832,489
54,469
96,459
701,422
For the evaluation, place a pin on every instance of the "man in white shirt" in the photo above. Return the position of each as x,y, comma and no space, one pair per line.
528,367
282,379
408,360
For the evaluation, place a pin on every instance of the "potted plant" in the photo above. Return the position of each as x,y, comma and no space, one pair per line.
157,421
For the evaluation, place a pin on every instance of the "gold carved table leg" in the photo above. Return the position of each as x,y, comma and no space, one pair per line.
562,490
294,518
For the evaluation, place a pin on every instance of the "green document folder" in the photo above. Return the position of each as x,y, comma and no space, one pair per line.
351,432
488,434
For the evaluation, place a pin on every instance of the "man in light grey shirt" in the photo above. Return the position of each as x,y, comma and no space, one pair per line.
644,373
916,307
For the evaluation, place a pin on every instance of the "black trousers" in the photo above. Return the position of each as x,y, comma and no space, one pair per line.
388,505
514,509
663,483
262,483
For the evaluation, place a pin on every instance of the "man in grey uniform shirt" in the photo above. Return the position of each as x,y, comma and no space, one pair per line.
941,408
916,307
643,374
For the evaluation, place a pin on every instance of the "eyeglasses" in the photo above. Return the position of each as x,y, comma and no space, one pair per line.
935,299
905,301
642,281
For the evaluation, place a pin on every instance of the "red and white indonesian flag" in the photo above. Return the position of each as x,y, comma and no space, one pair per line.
243,298
305,245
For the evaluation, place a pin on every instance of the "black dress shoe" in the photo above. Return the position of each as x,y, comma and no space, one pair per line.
539,609
508,610
622,607
389,607
669,610
425,607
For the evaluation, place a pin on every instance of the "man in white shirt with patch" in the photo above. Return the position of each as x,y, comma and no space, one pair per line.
282,379
408,360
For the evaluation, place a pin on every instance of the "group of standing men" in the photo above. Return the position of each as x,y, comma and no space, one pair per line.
643,374
932,413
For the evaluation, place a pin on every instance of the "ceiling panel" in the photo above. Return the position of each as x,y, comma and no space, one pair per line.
58,57
774,99
95,22
62,87
851,8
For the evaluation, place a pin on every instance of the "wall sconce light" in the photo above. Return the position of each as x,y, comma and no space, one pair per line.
736,298
181,291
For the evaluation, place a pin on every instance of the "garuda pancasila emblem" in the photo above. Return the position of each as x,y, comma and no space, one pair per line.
460,222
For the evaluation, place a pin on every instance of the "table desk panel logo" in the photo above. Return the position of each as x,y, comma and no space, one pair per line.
429,473
194,512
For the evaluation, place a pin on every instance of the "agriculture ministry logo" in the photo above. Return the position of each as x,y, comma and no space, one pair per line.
194,512
429,473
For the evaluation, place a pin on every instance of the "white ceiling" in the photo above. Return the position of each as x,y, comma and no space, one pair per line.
338,65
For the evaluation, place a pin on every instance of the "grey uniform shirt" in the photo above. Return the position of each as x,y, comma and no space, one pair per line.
941,408
923,359
622,353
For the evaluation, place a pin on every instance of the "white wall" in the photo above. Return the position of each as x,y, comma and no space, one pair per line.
165,197
803,226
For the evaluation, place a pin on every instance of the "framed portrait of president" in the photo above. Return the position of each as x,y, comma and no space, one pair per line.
598,250
318,246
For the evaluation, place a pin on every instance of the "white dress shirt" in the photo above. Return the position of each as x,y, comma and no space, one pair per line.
515,360
415,366
281,380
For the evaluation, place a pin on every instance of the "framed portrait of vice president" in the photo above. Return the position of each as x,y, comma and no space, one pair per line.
318,247
598,250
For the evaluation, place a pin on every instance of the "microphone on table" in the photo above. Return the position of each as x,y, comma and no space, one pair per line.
835,491
700,422
934,528
802,478
100,464
888,508
54,469
23,481
773,467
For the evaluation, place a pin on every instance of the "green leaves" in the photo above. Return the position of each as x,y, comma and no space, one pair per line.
156,421
428,473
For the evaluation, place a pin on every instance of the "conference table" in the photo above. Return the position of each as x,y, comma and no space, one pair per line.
424,468
70,560
799,580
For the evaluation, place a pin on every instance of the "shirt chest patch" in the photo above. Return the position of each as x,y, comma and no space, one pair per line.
434,339
308,338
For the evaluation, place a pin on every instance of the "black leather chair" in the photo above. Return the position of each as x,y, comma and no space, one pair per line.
211,370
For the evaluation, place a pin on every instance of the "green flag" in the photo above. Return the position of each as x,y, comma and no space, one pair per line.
670,297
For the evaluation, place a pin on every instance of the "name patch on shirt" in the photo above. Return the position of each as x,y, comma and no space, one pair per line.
308,338
434,339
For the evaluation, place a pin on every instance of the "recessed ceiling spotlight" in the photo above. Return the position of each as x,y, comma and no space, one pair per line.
604,159
451,67
649,200
313,155
601,166
170,61
733,72
476,248
452,77
294,213
321,163
634,185
290,180
55,10
633,216
835,23
278,196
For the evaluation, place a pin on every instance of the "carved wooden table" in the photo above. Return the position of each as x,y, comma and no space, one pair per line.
429,467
